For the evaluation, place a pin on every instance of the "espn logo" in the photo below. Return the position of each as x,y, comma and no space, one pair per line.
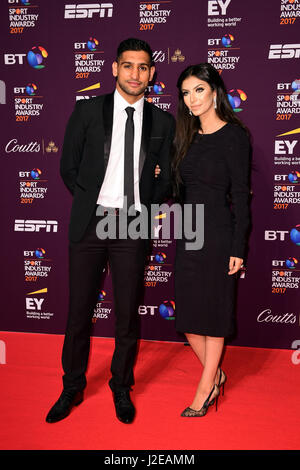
87,10
284,51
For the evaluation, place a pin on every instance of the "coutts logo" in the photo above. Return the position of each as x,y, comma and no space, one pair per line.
266,316
13,146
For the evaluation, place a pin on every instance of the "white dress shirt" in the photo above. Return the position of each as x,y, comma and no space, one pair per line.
112,190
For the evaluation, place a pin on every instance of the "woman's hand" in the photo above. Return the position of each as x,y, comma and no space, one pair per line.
234,264
157,171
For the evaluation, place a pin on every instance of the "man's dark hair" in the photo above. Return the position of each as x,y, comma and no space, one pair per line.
133,44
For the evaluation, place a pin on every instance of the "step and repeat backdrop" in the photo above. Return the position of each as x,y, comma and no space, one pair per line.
55,53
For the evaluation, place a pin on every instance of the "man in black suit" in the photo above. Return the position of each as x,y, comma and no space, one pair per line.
111,148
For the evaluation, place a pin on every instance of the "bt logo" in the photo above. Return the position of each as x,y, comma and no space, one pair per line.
226,41
167,309
272,235
91,44
35,58
289,263
39,253
235,98
12,59
35,174
158,88
24,2
145,309
293,177
101,296
294,85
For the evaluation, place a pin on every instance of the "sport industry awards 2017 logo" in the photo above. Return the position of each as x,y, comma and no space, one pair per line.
103,307
289,11
153,14
22,14
223,52
157,271
37,265
288,100
157,95
286,190
27,102
88,58
33,186
285,275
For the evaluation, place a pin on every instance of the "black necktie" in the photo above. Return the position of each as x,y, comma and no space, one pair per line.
128,158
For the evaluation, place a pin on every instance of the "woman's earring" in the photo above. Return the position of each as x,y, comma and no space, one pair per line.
215,102
190,113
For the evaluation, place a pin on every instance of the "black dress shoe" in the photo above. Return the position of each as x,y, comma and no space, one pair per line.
125,410
62,408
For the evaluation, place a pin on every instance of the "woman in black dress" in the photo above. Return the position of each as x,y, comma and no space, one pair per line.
211,166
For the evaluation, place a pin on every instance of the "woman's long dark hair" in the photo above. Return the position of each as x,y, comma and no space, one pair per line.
187,126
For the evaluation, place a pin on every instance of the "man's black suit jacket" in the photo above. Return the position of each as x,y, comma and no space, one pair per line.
86,151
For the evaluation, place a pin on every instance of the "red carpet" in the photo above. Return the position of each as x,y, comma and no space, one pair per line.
260,408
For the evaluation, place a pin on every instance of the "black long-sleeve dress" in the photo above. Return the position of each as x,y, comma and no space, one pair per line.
215,172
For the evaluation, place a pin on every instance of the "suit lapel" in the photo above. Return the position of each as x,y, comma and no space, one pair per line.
146,133
108,110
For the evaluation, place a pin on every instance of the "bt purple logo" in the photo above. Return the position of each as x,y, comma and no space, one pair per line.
236,97
294,177
291,263
158,88
31,89
160,258
295,235
40,253
227,39
167,309
92,44
35,173
101,295
36,56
